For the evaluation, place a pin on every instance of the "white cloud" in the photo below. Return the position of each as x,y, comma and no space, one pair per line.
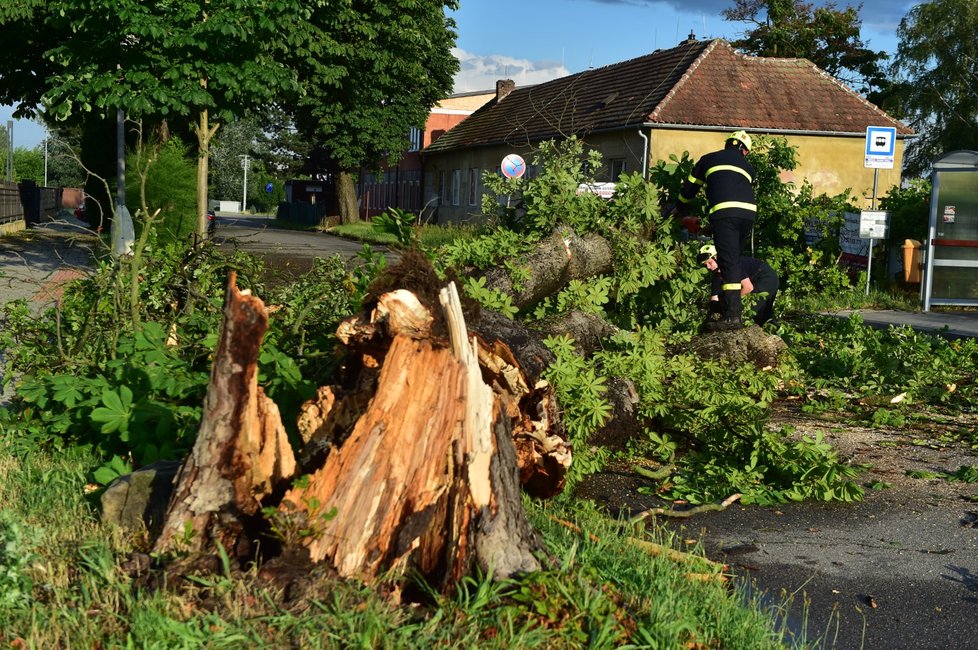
478,72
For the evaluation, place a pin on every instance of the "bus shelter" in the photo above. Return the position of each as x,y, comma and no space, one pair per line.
951,255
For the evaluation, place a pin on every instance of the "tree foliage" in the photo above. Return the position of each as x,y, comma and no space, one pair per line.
206,61
937,59
826,36
373,70
227,173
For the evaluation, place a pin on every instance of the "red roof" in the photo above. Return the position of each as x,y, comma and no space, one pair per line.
696,84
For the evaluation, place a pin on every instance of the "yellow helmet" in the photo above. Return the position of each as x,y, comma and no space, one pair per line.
740,137
706,252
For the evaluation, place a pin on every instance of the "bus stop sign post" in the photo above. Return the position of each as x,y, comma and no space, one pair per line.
880,153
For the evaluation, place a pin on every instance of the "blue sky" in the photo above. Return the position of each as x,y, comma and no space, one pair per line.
531,41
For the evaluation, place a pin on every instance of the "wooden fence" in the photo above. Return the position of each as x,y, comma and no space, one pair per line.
27,202
11,209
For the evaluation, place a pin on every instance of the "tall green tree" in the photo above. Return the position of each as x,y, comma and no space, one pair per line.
827,36
937,63
199,60
373,70
234,141
64,166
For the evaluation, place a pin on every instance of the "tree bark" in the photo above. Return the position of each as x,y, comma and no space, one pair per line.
205,133
346,197
241,453
562,257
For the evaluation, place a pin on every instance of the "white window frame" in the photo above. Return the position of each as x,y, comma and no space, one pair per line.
456,186
615,162
473,185
415,138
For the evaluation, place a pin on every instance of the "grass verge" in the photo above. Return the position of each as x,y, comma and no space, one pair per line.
65,583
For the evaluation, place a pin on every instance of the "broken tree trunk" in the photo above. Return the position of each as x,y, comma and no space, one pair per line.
241,453
427,478
558,259
411,465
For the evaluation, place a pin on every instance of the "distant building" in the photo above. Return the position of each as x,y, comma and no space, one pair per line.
686,98
400,185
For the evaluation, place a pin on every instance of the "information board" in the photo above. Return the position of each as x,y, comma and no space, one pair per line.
873,224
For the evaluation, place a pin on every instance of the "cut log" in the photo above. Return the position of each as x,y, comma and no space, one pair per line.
558,259
241,453
749,345
588,330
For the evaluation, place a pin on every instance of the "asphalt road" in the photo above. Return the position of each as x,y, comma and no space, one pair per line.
881,573
257,235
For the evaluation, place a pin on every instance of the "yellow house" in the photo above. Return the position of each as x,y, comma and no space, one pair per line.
687,98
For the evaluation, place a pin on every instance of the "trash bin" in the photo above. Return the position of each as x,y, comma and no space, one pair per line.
911,261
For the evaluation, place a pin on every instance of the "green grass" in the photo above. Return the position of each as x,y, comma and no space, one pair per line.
430,236
895,299
600,590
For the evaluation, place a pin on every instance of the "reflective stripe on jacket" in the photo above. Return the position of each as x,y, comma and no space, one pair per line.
729,181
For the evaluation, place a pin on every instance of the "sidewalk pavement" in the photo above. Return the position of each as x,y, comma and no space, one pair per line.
35,265
948,324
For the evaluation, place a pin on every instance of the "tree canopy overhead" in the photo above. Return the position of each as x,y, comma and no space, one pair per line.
937,63
826,36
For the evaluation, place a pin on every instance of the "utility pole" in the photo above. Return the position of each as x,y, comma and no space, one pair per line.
120,156
45,157
244,190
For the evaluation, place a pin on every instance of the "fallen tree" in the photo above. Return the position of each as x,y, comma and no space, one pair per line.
413,461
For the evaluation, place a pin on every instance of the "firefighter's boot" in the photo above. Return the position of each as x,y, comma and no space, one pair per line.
732,317
713,316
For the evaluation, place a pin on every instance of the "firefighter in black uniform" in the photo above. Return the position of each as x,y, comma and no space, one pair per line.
759,279
729,180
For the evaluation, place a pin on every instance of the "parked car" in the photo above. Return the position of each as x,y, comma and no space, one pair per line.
211,222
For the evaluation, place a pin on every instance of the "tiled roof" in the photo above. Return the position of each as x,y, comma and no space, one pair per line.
696,84
725,88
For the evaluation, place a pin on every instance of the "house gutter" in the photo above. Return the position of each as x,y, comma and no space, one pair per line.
645,154
679,127
763,131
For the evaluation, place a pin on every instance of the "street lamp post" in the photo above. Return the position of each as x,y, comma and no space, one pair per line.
244,190
10,151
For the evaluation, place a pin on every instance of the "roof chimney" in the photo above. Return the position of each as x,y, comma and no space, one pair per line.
503,88
691,38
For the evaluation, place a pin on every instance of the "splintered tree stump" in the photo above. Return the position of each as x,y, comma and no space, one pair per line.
427,478
241,453
416,463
